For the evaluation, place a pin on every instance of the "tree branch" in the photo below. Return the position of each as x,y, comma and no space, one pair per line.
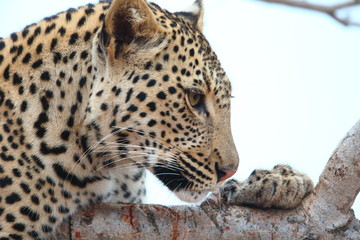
328,10
324,214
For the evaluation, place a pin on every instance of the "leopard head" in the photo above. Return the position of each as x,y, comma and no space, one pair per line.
165,99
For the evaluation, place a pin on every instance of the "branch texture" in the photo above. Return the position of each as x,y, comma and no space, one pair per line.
324,214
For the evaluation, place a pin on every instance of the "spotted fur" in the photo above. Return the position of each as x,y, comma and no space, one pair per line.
91,97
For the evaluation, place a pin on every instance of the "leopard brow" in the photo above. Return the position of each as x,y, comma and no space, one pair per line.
194,90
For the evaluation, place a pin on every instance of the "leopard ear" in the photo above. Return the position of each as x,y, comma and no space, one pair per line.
195,15
130,26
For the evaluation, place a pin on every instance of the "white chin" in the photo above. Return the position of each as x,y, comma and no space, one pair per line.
191,196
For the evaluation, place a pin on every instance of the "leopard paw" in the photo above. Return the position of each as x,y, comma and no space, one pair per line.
281,187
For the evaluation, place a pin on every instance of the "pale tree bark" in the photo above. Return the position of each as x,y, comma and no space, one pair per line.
324,214
330,10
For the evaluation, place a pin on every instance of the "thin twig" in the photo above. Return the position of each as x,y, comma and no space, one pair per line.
328,10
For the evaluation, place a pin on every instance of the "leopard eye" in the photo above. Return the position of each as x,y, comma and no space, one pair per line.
195,99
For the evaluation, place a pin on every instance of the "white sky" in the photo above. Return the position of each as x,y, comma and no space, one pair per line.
295,75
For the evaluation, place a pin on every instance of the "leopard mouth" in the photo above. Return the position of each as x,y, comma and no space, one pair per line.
178,184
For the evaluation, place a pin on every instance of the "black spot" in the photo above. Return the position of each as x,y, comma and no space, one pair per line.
26,58
10,217
132,108
2,97
63,209
12,198
81,21
79,96
45,76
39,48
33,88
19,227
50,28
28,212
62,74
9,104
6,128
5,182
47,208
73,38
152,106
99,93
136,79
125,118
102,17
87,36
74,108
151,83
148,65
62,31
84,54
128,95
14,37
37,63
192,52
25,188
141,96
158,67
16,172
172,90
82,82
6,73
35,199
145,77
66,194
2,45
46,150
45,103
166,57
161,95
38,161
57,58
70,122
53,44
25,32
33,234
151,123
116,110
30,40
104,107
174,69
17,79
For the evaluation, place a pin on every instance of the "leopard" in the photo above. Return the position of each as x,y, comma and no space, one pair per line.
91,98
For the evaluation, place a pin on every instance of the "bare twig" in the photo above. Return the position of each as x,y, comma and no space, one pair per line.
328,10
324,214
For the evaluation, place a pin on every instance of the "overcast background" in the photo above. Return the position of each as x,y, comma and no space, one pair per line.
295,75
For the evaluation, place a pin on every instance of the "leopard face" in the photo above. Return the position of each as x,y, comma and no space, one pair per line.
174,104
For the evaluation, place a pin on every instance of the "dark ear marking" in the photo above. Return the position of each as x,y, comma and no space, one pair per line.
104,37
194,16
131,26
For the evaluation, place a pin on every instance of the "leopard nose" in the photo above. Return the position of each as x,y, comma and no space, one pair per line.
224,173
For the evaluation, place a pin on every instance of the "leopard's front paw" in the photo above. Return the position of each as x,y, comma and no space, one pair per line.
230,190
281,187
